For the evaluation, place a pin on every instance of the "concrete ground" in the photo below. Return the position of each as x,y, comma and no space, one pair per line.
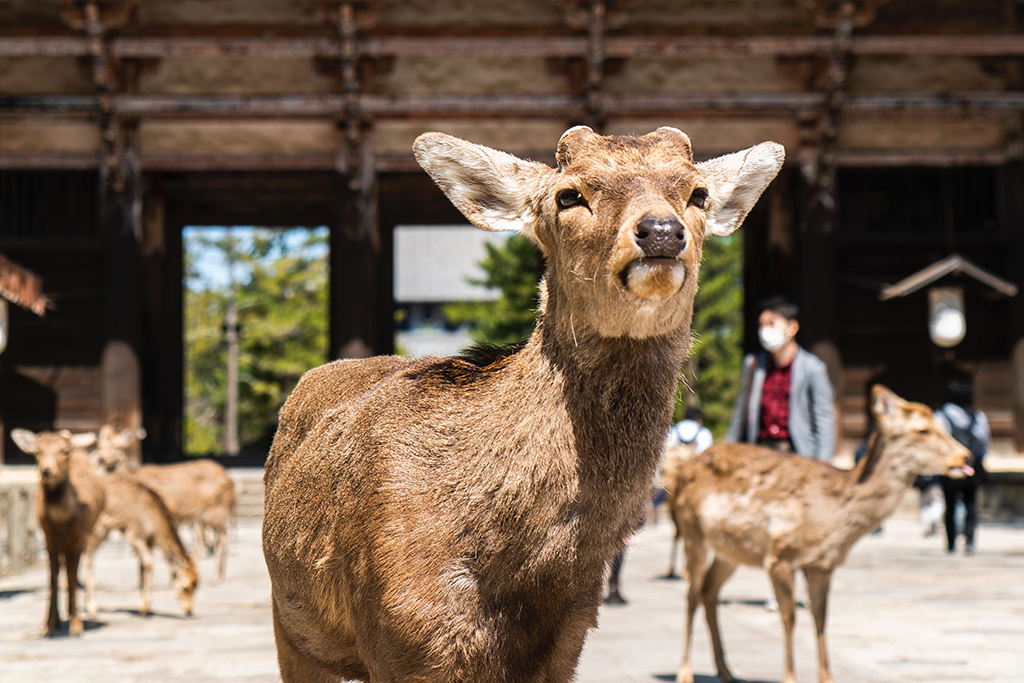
901,610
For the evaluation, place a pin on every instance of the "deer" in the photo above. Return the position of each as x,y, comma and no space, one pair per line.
749,505
139,513
200,493
70,499
450,519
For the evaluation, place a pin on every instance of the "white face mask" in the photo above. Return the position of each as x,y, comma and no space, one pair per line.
772,339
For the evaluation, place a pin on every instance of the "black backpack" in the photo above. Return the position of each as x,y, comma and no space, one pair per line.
967,437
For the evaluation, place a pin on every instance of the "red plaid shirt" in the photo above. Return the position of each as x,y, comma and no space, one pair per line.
775,403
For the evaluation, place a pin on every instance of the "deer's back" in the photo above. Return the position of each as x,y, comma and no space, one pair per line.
748,502
134,508
190,488
320,391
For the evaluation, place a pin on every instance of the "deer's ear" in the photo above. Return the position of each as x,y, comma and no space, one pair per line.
736,181
494,190
25,440
83,440
886,406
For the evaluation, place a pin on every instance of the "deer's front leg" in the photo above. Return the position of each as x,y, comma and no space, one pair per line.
71,559
818,582
696,567
53,616
781,574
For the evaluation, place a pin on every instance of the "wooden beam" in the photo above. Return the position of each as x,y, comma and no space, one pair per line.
509,105
441,46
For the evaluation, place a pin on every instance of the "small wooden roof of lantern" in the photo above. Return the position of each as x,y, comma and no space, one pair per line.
946,321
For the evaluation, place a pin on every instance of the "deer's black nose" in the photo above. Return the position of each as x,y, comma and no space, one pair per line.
660,237
46,471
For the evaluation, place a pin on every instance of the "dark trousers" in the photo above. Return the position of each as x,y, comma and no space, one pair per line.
967,491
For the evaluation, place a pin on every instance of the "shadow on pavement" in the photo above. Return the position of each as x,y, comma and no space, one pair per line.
137,613
7,595
63,631
703,678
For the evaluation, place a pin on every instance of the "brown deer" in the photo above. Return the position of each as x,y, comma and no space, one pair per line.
198,492
71,498
141,516
757,507
450,519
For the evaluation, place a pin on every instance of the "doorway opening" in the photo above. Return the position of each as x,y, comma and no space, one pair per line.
256,316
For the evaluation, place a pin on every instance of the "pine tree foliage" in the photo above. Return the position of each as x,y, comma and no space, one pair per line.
282,313
717,356
513,269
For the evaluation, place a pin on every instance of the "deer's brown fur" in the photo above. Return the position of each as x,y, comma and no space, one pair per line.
141,516
753,506
70,499
450,519
200,493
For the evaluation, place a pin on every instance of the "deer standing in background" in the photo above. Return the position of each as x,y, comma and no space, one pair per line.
200,493
70,500
140,514
450,519
754,506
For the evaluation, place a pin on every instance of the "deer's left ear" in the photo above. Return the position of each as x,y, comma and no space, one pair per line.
494,190
736,181
886,406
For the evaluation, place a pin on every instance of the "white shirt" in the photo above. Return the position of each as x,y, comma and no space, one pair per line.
689,431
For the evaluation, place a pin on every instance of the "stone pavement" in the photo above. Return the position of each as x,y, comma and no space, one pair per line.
901,610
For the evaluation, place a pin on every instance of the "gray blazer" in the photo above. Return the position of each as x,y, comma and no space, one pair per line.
812,419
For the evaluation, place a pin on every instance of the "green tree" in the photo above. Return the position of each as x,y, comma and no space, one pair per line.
282,312
513,269
717,356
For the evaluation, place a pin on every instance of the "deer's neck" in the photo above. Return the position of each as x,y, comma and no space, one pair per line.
618,396
882,477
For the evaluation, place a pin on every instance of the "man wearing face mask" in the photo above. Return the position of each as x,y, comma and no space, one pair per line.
786,399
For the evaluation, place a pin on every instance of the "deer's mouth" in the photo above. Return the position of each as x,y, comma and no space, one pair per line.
653,278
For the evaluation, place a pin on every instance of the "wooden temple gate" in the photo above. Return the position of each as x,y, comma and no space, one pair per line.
121,121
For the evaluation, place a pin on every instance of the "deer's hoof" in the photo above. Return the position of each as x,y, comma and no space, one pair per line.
685,674
75,628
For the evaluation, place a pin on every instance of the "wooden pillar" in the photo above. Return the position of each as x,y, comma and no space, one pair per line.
359,290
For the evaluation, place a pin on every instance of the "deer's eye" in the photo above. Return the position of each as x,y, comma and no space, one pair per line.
924,432
568,198
698,197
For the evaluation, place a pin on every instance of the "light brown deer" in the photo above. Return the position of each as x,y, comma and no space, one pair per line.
70,500
200,493
754,506
450,519
140,514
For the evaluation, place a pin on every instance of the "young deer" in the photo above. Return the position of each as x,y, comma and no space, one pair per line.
198,492
674,458
450,519
71,498
753,506
140,514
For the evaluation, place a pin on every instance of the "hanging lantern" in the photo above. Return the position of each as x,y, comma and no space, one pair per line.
946,323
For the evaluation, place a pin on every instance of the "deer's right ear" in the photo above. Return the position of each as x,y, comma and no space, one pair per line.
83,440
494,190
25,440
885,405
735,183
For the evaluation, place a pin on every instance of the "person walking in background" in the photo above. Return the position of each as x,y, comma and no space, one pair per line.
786,401
970,427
